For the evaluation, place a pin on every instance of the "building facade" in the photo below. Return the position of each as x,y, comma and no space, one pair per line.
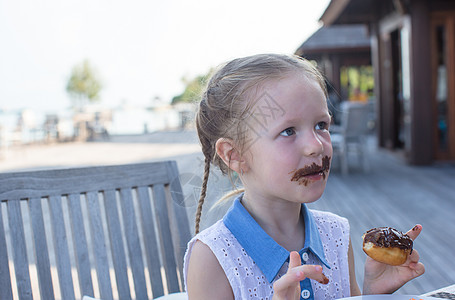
413,56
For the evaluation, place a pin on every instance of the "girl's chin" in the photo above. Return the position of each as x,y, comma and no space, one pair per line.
307,195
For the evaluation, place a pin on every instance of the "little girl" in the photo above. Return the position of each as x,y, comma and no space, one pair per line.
265,117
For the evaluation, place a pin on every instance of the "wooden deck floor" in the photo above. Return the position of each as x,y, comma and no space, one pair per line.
395,194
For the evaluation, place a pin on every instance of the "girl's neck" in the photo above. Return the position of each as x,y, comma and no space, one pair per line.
280,219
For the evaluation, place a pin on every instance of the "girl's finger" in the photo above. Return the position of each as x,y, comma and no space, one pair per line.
418,268
310,271
414,263
294,260
414,257
289,282
313,272
414,232
299,273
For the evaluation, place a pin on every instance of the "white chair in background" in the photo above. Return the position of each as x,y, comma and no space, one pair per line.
351,134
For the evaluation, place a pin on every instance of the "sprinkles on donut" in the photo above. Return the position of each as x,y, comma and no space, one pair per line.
387,245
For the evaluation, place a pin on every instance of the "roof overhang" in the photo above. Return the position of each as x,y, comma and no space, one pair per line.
349,12
333,11
336,39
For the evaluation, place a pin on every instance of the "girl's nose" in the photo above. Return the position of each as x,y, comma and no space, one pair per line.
312,144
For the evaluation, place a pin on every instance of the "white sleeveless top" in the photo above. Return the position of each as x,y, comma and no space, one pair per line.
248,281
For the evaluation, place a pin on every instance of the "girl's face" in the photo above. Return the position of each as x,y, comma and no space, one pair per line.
288,150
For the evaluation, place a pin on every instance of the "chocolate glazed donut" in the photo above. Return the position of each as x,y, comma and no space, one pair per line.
387,245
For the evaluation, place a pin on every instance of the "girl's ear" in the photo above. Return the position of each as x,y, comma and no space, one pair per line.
226,149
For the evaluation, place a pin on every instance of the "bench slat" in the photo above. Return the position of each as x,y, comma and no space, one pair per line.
41,249
61,248
180,215
134,246
150,241
159,197
118,252
80,245
55,182
5,278
16,227
99,246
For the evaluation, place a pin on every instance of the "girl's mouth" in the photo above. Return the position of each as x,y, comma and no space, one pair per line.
312,172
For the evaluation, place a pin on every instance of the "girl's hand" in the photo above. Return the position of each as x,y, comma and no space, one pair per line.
288,286
385,279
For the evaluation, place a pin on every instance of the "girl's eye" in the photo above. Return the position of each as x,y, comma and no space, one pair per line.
288,132
322,126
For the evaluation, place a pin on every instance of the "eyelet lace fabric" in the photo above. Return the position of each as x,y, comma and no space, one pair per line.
247,280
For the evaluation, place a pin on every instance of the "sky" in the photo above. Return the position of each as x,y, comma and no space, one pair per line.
140,49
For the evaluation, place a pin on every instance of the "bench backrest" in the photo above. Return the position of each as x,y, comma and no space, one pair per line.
114,232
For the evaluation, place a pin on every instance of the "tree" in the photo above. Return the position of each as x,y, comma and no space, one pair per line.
192,90
84,84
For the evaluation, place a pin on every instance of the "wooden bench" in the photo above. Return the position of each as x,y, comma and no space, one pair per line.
114,232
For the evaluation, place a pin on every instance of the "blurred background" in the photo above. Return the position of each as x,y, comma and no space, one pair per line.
75,70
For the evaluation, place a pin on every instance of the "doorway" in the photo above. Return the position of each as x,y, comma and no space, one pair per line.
395,98
443,85
397,111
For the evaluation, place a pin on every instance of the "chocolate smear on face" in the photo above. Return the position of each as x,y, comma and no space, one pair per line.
313,169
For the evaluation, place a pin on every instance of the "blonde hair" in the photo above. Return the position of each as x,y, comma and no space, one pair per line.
226,101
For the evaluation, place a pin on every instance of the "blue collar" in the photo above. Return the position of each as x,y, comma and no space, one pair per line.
268,255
